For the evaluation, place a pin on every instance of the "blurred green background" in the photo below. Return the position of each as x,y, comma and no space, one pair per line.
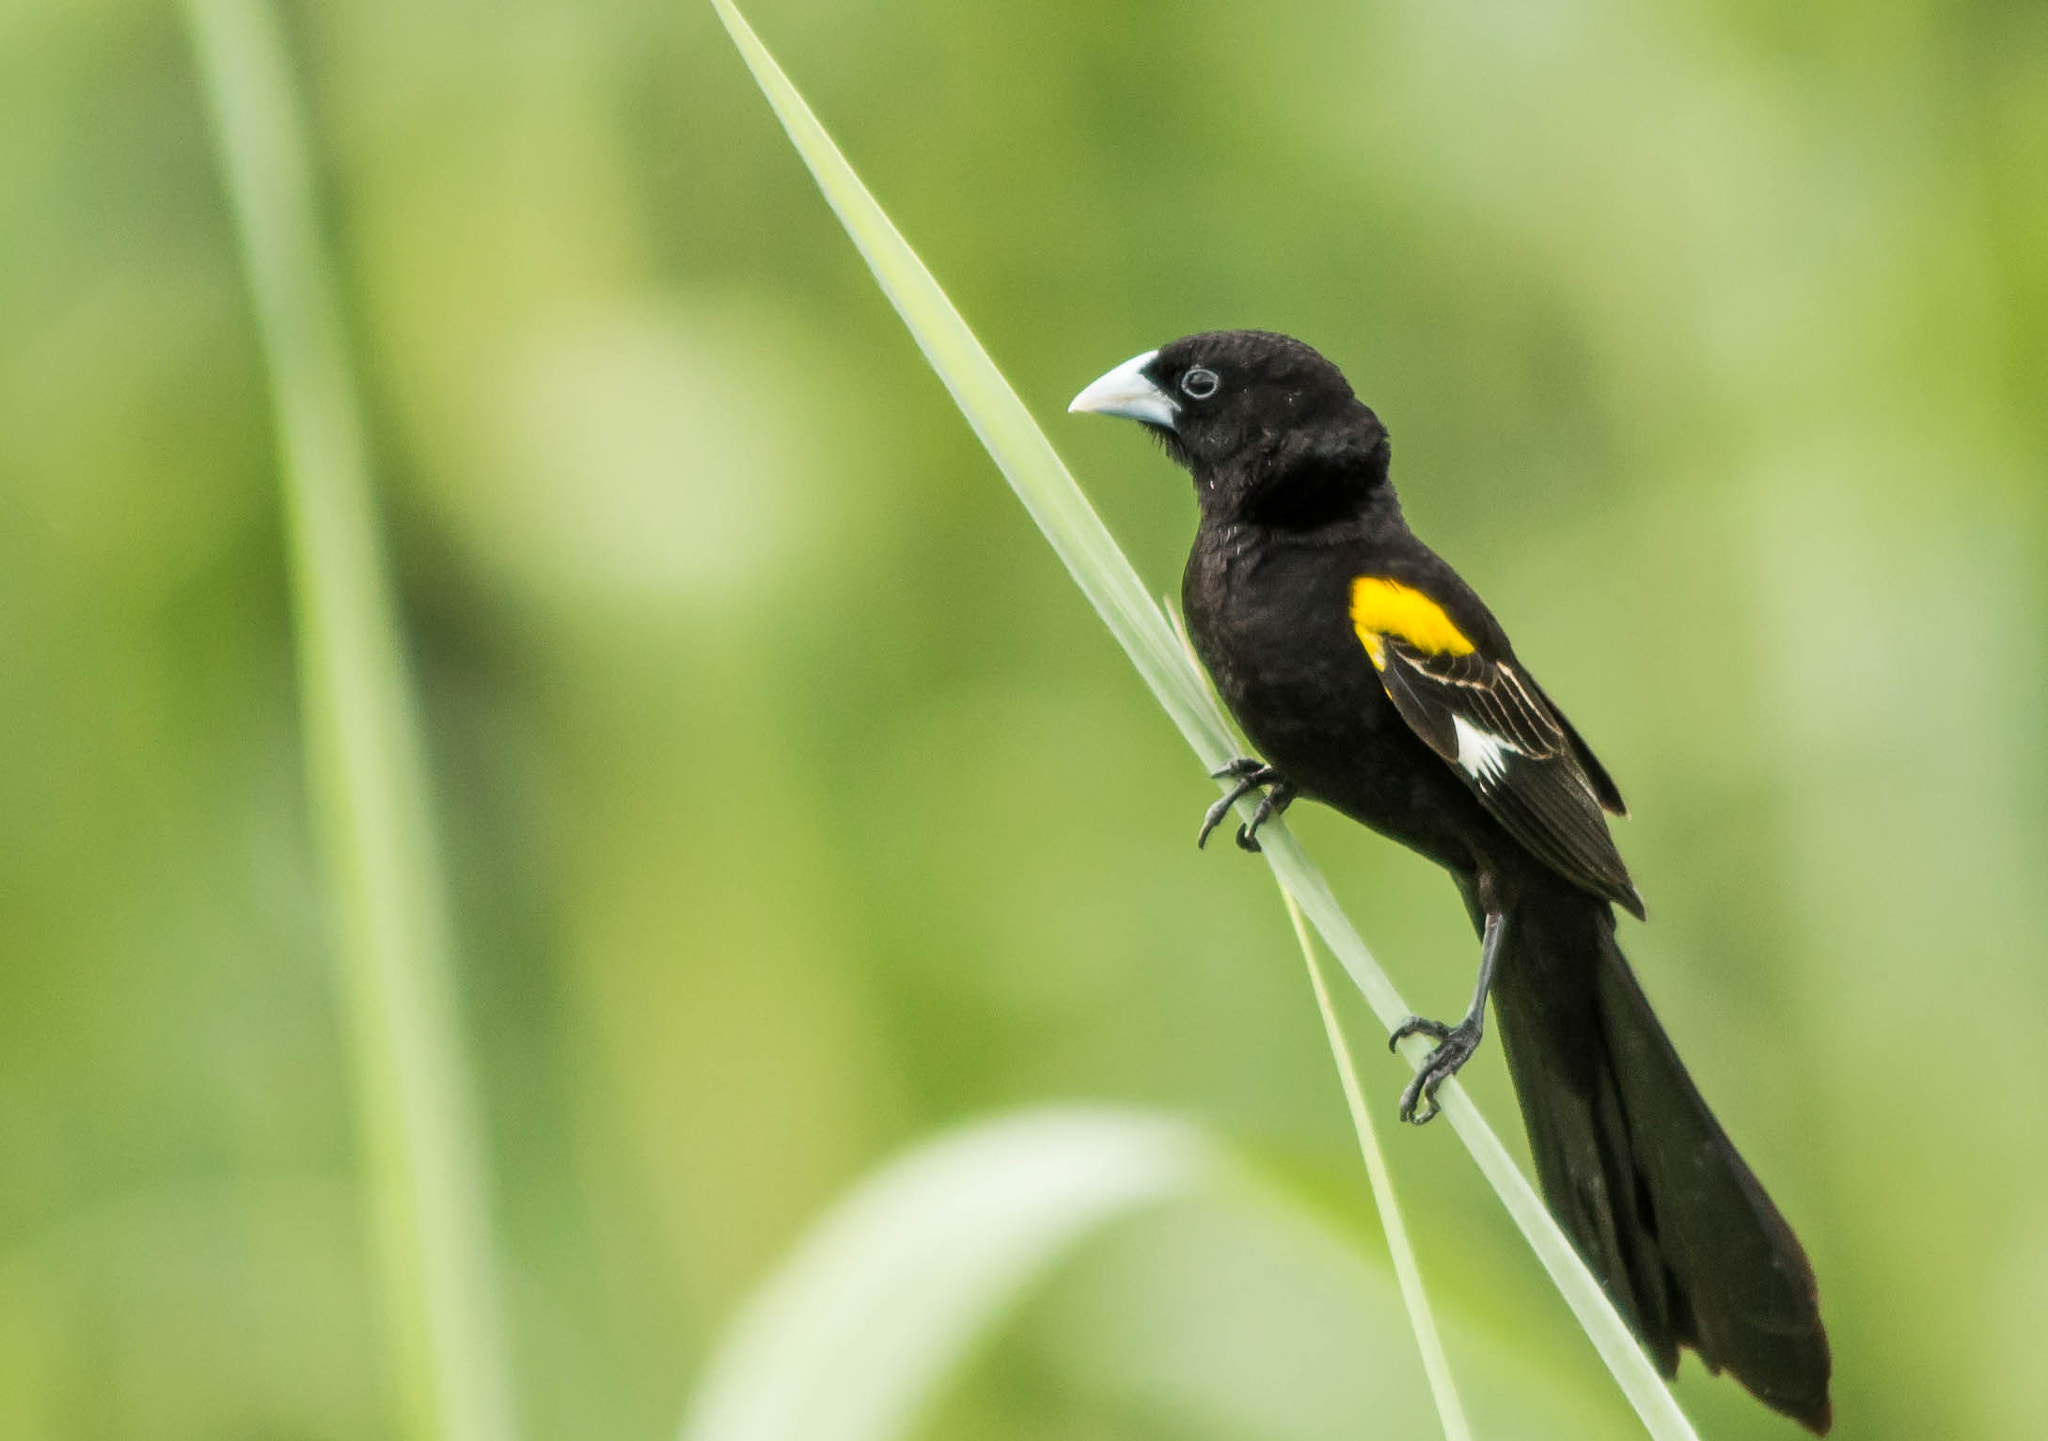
796,804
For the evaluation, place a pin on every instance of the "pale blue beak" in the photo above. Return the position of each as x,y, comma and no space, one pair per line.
1129,392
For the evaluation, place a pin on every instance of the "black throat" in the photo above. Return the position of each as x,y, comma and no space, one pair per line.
1293,487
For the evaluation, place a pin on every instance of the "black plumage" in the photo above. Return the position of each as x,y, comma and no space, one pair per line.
1371,678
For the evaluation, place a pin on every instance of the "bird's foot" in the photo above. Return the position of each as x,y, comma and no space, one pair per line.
1275,800
1249,774
1454,1047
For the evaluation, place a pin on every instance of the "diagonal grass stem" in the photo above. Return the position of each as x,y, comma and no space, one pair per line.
1435,1363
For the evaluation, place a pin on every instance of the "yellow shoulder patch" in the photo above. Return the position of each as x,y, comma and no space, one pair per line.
1382,608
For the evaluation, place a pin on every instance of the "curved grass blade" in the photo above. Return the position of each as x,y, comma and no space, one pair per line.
1027,460
1435,1363
851,1336
422,1144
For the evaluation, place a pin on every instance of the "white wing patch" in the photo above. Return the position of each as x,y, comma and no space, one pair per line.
1481,755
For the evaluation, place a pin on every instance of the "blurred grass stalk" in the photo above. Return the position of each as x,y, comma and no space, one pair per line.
422,1143
1035,472
1435,1363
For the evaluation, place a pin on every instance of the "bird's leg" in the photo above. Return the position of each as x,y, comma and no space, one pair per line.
1250,774
1454,1044
1275,800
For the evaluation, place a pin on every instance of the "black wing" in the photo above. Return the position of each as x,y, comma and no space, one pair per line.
1502,736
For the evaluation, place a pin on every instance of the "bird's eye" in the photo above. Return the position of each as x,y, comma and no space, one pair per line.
1200,383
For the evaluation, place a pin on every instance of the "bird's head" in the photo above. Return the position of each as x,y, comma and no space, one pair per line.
1262,421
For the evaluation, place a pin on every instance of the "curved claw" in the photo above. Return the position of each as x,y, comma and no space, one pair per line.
1276,800
1250,775
1418,1026
1417,1094
1213,817
1418,1100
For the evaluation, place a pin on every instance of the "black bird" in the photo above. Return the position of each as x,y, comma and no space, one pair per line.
1372,678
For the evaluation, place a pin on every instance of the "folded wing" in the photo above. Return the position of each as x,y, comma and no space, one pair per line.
1495,727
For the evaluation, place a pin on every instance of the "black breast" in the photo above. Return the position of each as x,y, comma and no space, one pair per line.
1270,616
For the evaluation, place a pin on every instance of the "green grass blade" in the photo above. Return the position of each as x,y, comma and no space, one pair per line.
1435,1364
423,1147
851,1336
1026,458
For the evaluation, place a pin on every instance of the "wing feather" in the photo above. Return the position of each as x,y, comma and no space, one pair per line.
1499,732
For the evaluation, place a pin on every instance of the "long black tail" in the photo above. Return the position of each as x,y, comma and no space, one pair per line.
1638,1171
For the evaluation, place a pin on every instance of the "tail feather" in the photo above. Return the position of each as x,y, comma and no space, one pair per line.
1640,1174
